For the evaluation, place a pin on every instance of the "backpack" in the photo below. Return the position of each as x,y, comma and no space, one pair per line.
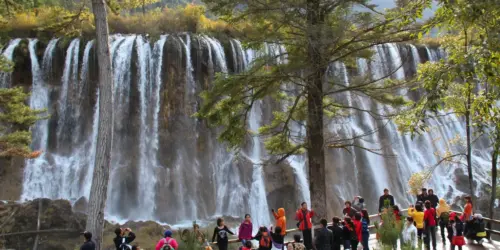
124,245
166,244
364,226
265,241
480,229
445,217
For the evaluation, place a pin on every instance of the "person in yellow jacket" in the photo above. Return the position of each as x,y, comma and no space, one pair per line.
443,213
280,220
417,213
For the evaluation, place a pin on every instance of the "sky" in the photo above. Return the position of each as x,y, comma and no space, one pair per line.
390,3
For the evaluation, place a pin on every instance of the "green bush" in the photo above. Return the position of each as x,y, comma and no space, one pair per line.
389,231
188,242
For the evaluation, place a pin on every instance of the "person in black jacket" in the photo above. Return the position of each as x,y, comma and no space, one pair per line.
221,232
432,198
423,196
121,240
349,210
385,201
337,233
324,237
88,244
265,240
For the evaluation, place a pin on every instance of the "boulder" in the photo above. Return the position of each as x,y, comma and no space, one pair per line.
81,205
54,214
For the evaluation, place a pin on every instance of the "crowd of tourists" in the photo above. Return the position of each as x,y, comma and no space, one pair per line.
350,232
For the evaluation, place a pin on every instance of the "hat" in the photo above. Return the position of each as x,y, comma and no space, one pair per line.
478,216
168,233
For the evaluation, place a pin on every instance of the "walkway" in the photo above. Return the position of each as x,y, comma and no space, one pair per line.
440,246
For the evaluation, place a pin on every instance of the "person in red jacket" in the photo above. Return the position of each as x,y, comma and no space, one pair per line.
357,229
303,216
430,225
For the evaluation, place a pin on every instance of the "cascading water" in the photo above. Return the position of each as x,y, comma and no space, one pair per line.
122,165
219,53
66,122
158,59
259,208
8,53
147,177
167,166
39,98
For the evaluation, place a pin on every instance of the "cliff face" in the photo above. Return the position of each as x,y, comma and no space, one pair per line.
169,166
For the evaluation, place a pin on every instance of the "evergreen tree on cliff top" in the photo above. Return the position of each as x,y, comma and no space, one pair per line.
315,33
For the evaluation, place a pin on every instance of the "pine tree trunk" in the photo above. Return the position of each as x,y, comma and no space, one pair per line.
98,192
314,85
469,146
494,160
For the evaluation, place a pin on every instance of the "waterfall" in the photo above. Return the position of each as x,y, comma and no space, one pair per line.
168,166
8,53
397,62
93,149
259,208
299,166
121,166
65,113
158,56
147,177
244,59
84,72
416,56
219,53
39,99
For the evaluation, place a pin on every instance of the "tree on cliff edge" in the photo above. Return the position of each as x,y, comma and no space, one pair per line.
317,35
98,192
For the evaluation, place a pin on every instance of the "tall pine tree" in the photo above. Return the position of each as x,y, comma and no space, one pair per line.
316,34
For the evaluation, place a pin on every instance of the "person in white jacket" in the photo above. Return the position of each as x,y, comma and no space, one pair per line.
410,234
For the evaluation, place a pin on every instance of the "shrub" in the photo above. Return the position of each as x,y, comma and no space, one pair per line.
389,230
57,21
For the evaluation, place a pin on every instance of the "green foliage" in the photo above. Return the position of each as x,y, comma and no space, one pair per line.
53,20
118,5
77,20
344,31
488,188
189,242
471,69
15,119
389,231
168,20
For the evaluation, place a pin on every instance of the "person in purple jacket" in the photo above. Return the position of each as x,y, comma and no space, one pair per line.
245,231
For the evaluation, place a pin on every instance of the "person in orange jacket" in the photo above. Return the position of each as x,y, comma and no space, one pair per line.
280,220
303,216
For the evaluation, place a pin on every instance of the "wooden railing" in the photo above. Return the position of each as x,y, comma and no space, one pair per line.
293,230
489,223
374,216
